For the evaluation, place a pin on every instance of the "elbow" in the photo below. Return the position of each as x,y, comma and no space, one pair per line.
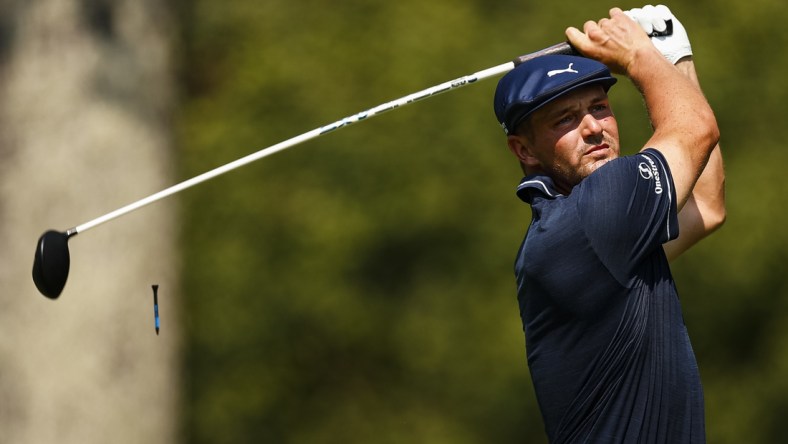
711,135
714,136
717,219
699,134
717,214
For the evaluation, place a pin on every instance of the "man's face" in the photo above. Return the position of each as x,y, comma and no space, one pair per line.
570,137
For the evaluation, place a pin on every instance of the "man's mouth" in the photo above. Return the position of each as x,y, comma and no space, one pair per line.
597,148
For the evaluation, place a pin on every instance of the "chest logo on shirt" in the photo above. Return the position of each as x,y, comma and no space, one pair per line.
649,172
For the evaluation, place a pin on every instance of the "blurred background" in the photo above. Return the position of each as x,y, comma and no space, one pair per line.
358,288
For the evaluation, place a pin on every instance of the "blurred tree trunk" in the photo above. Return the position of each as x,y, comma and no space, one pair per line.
86,96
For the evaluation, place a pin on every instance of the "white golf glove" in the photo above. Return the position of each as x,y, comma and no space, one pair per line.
653,19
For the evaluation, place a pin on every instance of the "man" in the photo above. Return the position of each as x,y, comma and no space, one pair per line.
607,347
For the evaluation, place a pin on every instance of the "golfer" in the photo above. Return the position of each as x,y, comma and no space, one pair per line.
607,348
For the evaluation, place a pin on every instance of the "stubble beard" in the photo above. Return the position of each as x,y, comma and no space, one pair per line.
567,177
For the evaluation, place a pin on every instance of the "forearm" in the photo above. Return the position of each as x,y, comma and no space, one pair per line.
704,211
709,190
685,128
672,94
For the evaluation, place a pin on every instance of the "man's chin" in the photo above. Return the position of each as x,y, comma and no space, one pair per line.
596,164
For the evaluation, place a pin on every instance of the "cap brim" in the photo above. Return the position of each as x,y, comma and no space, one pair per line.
526,109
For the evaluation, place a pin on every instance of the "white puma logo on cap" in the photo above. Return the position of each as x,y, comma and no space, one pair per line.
561,71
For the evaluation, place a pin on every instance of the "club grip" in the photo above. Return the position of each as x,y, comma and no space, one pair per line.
564,48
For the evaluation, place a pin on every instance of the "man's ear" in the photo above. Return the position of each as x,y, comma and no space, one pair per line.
521,148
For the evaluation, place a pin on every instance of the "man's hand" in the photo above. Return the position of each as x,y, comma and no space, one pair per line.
653,18
616,41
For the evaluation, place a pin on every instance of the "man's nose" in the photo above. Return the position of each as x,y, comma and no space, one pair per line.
590,127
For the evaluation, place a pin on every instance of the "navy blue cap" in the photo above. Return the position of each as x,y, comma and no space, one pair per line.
538,81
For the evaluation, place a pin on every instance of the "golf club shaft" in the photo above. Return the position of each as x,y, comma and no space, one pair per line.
561,48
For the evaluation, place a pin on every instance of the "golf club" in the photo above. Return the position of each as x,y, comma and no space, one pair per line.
52,259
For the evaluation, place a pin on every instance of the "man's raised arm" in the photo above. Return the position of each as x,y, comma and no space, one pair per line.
685,129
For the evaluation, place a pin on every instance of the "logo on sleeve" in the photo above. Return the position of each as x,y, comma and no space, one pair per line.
649,171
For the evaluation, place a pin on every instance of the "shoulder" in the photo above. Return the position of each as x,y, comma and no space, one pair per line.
628,206
645,173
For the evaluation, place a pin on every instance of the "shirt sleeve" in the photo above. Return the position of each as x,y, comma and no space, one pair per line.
628,210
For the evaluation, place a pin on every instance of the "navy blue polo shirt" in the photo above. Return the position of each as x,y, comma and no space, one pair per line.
608,351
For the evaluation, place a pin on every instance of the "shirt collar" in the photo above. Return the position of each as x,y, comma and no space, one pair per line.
536,185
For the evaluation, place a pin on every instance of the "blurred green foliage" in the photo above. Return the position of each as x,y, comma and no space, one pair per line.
359,288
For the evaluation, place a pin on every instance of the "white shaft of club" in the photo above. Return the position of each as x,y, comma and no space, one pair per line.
423,94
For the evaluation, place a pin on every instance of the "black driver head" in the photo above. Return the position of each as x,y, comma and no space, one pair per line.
51,263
